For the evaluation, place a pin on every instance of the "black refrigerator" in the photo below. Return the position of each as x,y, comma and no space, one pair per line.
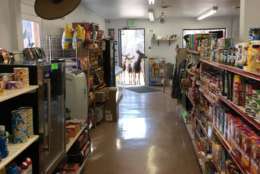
109,62
49,112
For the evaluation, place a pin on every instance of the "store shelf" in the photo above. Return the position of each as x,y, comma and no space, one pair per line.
228,148
210,100
241,111
222,139
74,139
202,128
190,98
193,52
17,149
9,94
191,73
233,69
189,129
198,83
216,167
81,169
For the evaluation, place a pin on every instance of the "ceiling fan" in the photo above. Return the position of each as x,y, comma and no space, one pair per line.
55,9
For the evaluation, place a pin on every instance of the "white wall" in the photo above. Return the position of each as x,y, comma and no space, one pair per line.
10,17
12,11
249,17
175,26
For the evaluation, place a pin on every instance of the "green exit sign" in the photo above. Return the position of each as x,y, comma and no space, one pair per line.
54,66
130,23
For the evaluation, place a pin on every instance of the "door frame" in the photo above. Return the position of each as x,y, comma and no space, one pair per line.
120,42
120,49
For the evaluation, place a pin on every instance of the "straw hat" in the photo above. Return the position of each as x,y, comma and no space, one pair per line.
54,9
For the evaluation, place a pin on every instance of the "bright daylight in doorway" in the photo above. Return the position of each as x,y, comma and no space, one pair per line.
132,45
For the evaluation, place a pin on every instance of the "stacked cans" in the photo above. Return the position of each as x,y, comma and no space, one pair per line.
22,124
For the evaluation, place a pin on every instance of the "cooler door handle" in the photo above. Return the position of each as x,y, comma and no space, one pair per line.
47,122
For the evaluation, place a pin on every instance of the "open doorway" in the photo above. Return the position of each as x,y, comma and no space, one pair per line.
132,41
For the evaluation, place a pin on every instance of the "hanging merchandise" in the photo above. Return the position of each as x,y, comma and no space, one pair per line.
67,37
81,35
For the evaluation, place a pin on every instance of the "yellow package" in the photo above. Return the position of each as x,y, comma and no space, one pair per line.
253,63
67,37
81,34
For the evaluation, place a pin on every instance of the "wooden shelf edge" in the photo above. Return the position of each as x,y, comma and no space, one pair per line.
16,149
241,112
193,52
228,149
81,169
74,139
207,97
232,69
202,127
9,94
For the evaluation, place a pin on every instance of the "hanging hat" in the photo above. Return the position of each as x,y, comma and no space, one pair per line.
54,9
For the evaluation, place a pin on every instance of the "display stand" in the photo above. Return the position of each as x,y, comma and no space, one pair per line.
20,151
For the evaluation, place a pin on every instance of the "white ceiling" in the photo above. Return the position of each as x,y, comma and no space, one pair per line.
116,9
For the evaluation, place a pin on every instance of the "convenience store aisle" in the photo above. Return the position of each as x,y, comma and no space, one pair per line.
148,139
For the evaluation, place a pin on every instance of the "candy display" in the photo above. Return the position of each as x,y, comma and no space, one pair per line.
22,124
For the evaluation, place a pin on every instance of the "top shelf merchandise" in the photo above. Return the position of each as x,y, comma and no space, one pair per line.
198,44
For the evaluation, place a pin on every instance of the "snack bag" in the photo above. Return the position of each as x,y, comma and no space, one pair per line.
67,37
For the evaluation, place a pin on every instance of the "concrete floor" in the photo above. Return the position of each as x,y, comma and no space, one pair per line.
149,138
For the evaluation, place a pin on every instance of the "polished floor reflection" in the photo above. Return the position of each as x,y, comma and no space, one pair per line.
149,138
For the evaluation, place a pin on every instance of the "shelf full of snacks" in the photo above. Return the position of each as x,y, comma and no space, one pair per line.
232,69
241,111
236,110
227,118
228,148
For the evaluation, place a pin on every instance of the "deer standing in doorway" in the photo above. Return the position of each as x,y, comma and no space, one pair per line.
137,67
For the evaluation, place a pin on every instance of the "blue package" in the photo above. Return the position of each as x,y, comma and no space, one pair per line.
3,148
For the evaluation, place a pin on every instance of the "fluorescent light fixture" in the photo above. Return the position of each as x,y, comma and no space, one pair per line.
151,2
151,15
208,13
